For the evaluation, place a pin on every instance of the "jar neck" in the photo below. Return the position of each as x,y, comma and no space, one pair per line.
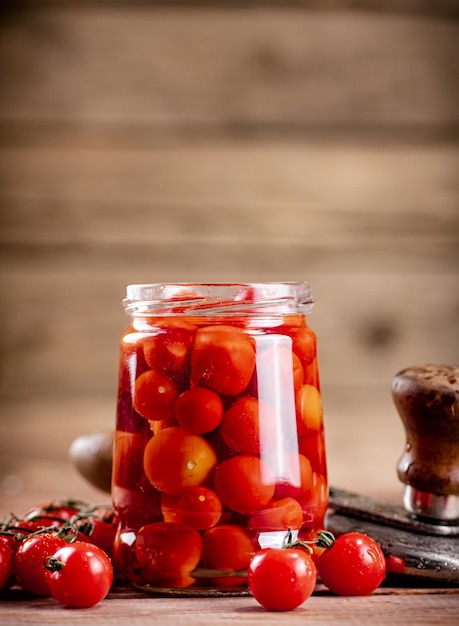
218,299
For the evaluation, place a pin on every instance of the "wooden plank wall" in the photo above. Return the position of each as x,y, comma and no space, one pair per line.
219,141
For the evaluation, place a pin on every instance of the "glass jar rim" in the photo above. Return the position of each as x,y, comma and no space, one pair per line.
218,298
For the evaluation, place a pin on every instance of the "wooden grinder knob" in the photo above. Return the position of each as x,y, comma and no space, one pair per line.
427,399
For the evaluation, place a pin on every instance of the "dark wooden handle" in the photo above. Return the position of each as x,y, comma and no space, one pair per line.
427,399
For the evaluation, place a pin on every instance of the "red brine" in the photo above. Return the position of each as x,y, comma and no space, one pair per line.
219,447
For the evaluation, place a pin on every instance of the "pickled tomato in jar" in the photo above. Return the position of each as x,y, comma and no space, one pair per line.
219,446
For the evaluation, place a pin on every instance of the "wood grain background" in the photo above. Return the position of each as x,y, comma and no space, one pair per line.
194,141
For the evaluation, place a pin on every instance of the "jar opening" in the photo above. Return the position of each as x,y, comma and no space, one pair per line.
218,298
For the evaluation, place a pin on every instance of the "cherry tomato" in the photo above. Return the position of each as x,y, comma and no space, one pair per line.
167,550
278,515
395,564
355,565
154,395
6,562
13,539
227,547
79,575
199,409
170,349
244,483
175,459
28,562
309,407
199,507
281,579
223,359
304,345
248,426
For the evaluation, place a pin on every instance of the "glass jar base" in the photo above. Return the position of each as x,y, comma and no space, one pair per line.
194,592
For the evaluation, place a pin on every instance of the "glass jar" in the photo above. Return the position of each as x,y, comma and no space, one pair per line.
219,447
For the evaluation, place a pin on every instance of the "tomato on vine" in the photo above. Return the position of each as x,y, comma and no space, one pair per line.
57,512
352,565
96,525
281,579
168,552
28,565
79,574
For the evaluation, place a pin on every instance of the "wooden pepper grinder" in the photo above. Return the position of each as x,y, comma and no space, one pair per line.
427,399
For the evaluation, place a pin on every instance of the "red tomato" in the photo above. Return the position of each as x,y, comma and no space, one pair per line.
355,565
199,409
6,562
304,345
13,540
223,359
227,547
248,426
28,564
154,395
278,515
244,483
175,459
395,564
199,507
167,550
170,349
79,575
281,579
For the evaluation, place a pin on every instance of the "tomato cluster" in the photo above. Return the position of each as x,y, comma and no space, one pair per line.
219,447
59,549
281,579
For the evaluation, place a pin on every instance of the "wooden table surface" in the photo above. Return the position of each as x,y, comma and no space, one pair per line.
388,605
